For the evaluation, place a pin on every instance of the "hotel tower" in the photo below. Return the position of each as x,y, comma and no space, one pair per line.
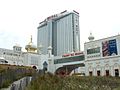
61,32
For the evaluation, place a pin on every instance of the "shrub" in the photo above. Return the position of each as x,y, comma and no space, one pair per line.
53,82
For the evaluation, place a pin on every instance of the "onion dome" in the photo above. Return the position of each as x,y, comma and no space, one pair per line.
40,47
49,48
30,47
2,58
91,37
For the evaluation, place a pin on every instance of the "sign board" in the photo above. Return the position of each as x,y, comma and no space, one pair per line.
109,48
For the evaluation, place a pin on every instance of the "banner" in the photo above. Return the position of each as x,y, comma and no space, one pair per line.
109,48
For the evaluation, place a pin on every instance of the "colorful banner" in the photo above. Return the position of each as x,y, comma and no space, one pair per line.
109,48
112,47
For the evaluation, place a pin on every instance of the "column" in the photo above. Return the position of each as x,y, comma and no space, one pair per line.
112,71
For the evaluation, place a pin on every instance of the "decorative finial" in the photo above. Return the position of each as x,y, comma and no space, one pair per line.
91,37
90,33
31,39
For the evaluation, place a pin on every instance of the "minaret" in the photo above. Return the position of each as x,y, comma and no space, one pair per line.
49,51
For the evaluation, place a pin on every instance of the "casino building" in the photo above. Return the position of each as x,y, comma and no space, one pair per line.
61,32
102,57
58,47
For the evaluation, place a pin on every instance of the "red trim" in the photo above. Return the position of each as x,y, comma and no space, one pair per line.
72,54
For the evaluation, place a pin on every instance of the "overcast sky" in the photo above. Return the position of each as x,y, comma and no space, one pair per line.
20,18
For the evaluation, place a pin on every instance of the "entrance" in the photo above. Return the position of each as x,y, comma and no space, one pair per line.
107,73
116,72
98,73
90,73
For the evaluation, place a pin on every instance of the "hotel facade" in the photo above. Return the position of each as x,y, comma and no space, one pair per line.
61,32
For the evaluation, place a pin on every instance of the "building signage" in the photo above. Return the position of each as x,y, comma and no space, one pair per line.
109,48
72,54
51,17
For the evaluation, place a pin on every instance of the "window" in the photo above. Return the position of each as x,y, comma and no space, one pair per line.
93,50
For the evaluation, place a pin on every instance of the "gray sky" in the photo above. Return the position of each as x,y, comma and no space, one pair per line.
20,18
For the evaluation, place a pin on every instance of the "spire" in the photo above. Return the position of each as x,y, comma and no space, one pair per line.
31,39
30,43
30,47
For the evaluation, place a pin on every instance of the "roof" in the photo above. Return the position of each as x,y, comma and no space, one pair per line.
104,38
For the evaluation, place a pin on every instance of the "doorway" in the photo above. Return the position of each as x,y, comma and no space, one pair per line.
107,72
90,73
98,73
116,73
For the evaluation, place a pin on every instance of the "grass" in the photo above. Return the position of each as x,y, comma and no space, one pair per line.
53,82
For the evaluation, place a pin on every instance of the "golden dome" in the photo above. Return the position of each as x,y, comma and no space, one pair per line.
30,47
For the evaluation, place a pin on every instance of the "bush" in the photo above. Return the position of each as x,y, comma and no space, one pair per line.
53,82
